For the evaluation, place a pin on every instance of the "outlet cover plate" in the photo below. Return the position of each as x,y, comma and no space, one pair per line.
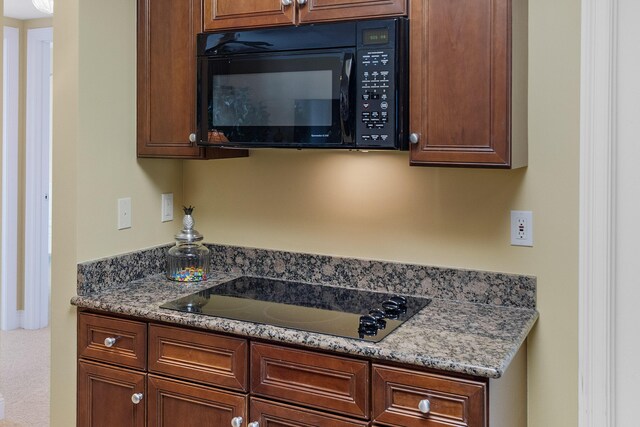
521,228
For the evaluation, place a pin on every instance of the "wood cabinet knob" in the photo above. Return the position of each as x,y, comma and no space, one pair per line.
237,421
286,2
414,138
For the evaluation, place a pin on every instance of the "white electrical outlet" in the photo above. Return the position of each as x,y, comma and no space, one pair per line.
167,207
124,213
521,228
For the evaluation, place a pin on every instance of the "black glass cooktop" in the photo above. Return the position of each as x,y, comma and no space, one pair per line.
350,313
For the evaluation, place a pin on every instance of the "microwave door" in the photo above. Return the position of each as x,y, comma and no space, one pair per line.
295,100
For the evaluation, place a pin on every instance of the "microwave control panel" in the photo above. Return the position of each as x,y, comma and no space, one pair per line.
375,99
379,122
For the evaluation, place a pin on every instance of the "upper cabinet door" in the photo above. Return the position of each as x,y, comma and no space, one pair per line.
234,14
464,107
335,10
167,77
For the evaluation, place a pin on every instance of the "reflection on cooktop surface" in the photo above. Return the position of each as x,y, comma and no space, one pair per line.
329,310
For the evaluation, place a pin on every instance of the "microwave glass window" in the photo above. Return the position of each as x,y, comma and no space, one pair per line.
294,98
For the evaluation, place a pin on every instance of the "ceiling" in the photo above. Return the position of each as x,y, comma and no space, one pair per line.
22,9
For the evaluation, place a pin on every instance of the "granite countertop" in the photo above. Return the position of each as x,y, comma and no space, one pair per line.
451,335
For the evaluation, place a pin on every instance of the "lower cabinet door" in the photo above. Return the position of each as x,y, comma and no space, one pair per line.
271,414
176,403
106,396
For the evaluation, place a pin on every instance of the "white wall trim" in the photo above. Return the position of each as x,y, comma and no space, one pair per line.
9,285
597,216
1,407
37,270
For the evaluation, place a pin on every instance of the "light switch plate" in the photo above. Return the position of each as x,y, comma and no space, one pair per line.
124,213
166,209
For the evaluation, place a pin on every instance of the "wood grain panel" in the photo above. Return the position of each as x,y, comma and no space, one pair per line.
236,14
336,10
104,396
272,414
317,380
175,403
460,71
166,81
199,356
130,348
454,402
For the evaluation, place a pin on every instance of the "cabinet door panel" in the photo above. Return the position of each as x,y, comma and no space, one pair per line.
104,396
221,14
398,392
166,77
271,414
176,403
334,10
198,356
322,381
461,82
129,348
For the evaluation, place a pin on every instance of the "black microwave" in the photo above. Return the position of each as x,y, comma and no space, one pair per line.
338,85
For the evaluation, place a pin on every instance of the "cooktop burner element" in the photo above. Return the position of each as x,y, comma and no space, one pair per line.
349,313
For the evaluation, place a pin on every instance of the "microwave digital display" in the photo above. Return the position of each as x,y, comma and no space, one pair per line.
375,36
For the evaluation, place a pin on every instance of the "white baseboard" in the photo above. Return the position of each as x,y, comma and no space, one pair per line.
1,407
20,314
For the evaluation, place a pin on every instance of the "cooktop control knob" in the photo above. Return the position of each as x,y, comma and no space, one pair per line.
378,314
368,326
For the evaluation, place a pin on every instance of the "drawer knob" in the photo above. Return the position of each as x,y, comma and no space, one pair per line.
285,3
236,422
414,138
192,137
136,398
254,424
424,406
109,342
301,3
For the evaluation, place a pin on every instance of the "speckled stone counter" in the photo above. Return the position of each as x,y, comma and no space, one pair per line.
474,325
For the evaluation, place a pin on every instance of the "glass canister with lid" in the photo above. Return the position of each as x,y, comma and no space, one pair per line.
188,260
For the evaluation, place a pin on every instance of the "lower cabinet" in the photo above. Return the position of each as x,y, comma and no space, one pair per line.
105,396
177,403
272,414
197,378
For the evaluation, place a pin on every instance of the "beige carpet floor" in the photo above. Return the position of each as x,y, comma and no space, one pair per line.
24,377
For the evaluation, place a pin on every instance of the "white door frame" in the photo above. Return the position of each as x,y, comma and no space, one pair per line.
37,274
9,318
597,281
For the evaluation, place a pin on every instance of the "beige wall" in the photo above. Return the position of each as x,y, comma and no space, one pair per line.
94,164
370,205
23,26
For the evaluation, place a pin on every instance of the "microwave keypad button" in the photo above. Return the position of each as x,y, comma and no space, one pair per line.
366,137
365,96
384,137
384,105
375,137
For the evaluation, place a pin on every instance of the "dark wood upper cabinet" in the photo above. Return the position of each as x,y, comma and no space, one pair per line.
166,85
468,83
234,14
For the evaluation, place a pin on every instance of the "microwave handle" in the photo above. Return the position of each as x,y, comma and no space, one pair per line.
345,85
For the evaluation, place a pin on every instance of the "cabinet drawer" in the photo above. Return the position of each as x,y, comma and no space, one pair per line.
198,356
128,338
177,403
317,380
397,394
270,414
